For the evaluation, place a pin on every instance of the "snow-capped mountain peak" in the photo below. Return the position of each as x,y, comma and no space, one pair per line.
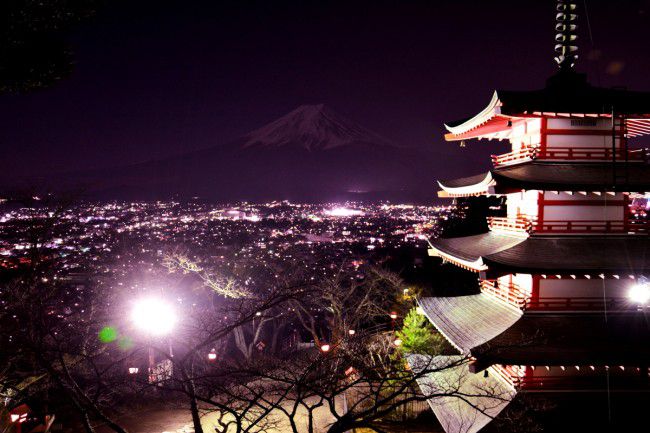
314,127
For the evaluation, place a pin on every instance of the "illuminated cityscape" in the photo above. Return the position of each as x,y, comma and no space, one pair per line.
257,217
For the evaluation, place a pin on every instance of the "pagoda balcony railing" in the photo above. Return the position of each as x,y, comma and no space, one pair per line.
513,294
519,224
525,154
571,154
524,224
591,153
578,304
510,293
591,226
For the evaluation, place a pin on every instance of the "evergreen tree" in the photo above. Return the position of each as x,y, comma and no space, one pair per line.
419,336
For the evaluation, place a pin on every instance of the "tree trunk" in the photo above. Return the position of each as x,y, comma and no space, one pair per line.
274,336
294,427
196,416
310,421
194,407
240,342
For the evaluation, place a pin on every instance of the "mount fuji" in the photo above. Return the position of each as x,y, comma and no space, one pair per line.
313,127
310,154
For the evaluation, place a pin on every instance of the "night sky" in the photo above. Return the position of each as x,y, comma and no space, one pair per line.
163,78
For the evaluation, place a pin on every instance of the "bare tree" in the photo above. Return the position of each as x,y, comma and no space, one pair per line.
350,300
53,344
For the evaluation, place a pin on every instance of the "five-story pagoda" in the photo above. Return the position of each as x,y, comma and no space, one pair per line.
562,303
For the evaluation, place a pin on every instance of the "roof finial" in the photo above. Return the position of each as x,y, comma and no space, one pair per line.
565,37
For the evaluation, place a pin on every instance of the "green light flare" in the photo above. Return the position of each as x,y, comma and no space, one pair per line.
107,334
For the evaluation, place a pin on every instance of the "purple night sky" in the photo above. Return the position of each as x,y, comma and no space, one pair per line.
163,78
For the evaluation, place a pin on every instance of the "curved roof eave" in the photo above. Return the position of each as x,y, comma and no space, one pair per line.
469,186
492,109
473,265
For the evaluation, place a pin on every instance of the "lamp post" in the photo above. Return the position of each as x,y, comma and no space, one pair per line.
393,318
156,318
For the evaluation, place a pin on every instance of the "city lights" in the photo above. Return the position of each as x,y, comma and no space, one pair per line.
343,212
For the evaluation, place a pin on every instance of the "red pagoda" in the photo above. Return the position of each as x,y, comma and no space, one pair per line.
561,310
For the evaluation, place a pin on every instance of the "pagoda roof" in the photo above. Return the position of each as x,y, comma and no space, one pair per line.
565,254
479,184
469,251
488,329
566,94
553,176
469,321
614,339
462,401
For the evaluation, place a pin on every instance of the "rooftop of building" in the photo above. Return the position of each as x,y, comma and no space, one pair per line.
553,176
496,333
566,94
564,254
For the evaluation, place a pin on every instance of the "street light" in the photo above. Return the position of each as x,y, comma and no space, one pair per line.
325,348
153,316
156,318
212,355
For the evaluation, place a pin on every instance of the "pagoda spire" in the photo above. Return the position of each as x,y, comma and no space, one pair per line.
565,36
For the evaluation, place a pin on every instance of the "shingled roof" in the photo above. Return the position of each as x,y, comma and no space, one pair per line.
463,402
554,176
595,254
548,254
488,329
470,250
566,93
469,321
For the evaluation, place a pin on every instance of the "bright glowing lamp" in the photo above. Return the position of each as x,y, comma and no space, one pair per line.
133,370
639,293
397,342
212,355
325,348
352,332
393,315
153,316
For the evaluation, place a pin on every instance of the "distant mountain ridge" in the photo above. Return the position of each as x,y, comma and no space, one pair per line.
313,127
310,154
